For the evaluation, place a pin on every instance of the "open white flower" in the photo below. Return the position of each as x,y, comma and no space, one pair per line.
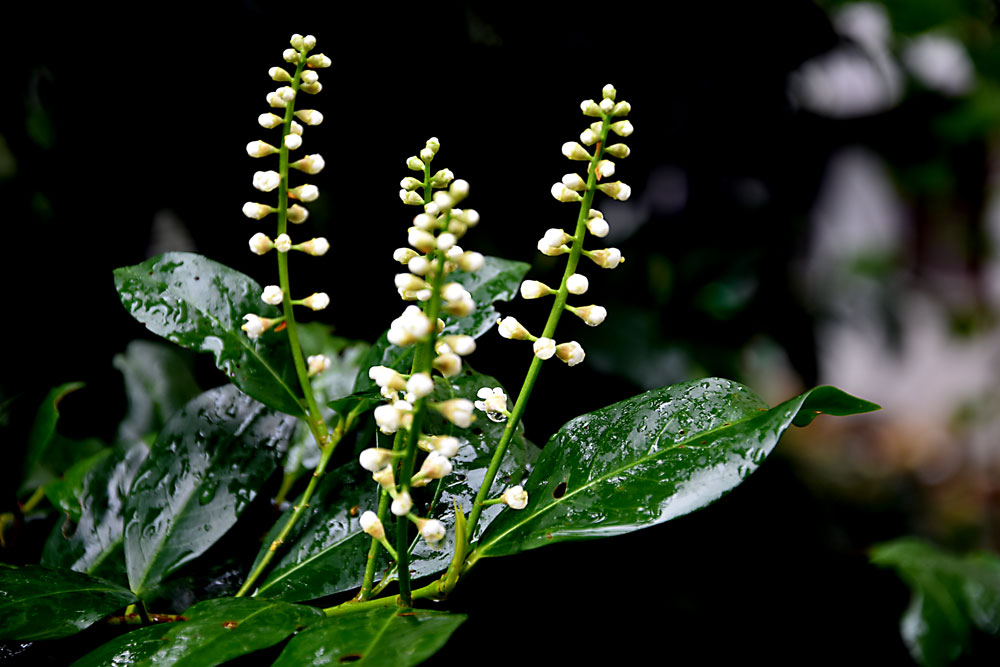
283,243
493,403
265,181
272,295
318,363
515,498
544,348
371,525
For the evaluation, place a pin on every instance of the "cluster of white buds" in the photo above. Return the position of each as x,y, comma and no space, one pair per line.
574,187
304,79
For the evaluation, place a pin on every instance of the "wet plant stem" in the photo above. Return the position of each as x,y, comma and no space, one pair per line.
550,329
32,502
383,514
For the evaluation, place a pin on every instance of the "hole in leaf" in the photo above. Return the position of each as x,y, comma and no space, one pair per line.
477,432
560,490
351,657
197,277
150,273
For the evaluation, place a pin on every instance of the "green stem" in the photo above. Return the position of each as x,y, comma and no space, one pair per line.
383,515
550,329
33,501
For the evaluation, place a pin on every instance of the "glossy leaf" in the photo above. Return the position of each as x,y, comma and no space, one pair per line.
328,552
158,382
65,494
498,280
382,353
951,594
93,544
651,458
41,603
386,637
216,631
199,304
202,472
44,426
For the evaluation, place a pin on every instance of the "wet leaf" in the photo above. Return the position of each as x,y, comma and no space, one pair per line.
387,637
199,304
44,427
158,382
42,603
202,472
328,552
651,458
65,494
93,544
951,594
216,631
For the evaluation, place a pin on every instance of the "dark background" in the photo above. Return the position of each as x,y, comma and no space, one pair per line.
117,118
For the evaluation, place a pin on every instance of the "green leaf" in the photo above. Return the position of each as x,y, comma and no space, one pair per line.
199,304
387,637
41,603
158,382
951,594
328,551
202,472
649,459
66,493
498,280
44,427
216,631
94,544
382,353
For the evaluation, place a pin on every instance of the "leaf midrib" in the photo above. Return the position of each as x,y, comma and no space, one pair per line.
483,549
119,591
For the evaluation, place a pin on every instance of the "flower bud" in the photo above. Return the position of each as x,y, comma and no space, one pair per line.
371,525
607,105
446,445
272,295
279,74
459,190
588,137
419,265
577,284
283,243
620,151
549,250
387,377
511,329
374,459
446,241
616,190
494,403
432,530
296,41
461,345
411,198
306,193
311,88
260,243
413,163
404,255
293,141
433,144
385,477
276,100
387,419
256,211
309,116
622,128
574,182
590,108
592,315
310,76
609,92
318,363
564,194
421,240
532,289
315,247
260,149
515,497
290,56
265,181
598,227
269,120
471,261
409,327
317,301
409,282
605,169
308,42
310,164
254,326
449,365
544,348
402,504
621,109
436,466
297,214
426,155
442,178
410,183
575,151
420,385
318,60
608,258
572,352
459,411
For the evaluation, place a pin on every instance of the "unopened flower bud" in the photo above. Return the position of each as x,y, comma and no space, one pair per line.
311,88
470,261
413,163
290,56
410,183
309,116
296,41
621,109
459,190
256,211
616,190
573,182
411,198
446,241
532,289
605,169
620,151
310,164
260,149
598,227
447,445
436,466
308,42
387,419
609,92
402,504
431,530
426,155
384,476
265,181
404,255
297,214
433,144
577,284
254,325
306,193
371,525
419,265
316,301
459,411
293,141
544,348
374,459
608,258
269,120
564,194
420,385
310,76
575,151
409,282
461,345
421,240
572,352
283,243
622,128
515,497
552,251
442,178
607,105
493,403
276,100
387,377
592,315
318,60
315,247
449,365
260,243
512,329
318,363
279,74
272,295
588,137
590,108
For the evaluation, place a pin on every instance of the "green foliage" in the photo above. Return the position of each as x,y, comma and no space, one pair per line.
199,304
497,280
41,603
950,595
202,472
44,427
